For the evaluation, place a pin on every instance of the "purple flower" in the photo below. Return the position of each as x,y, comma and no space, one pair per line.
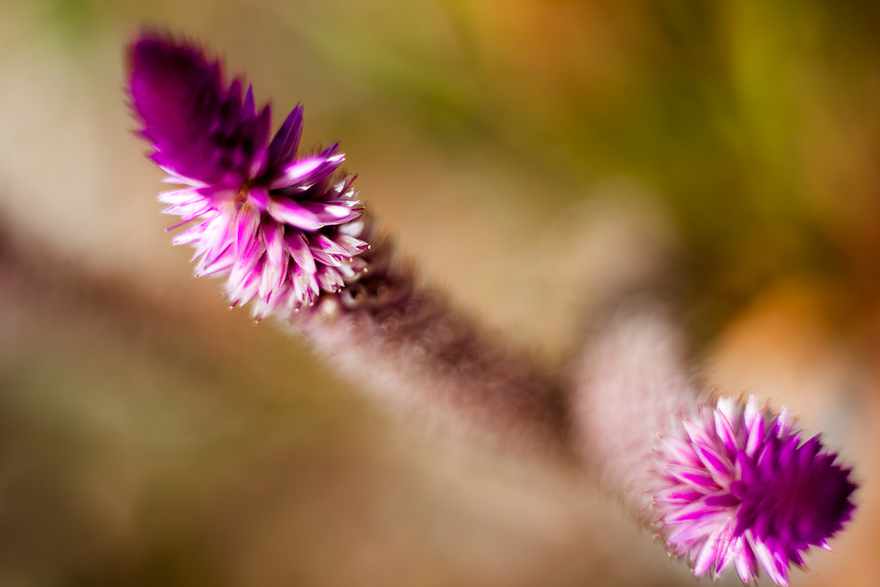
741,488
281,227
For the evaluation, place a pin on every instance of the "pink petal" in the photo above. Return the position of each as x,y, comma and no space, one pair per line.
708,554
331,214
324,258
725,432
328,246
755,436
245,224
745,561
717,465
330,279
290,212
694,477
353,245
298,247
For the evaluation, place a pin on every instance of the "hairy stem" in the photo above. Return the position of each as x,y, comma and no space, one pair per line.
416,350
630,384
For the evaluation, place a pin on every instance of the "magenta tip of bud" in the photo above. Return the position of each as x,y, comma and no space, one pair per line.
255,209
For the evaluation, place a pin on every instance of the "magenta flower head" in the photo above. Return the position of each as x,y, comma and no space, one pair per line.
741,487
281,227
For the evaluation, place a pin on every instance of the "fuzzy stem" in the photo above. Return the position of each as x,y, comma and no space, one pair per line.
416,350
630,385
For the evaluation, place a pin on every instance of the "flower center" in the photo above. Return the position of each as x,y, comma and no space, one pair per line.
241,197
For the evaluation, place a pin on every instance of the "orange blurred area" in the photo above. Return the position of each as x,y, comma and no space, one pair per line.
530,157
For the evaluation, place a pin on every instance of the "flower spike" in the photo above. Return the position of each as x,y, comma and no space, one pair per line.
724,484
742,488
278,226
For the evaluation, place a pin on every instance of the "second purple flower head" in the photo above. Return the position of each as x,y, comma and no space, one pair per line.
743,488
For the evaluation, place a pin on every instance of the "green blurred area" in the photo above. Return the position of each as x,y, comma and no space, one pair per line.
737,115
521,151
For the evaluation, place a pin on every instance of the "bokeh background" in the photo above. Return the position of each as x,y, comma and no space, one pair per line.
530,156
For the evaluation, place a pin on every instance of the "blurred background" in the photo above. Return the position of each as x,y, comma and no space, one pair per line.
530,155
